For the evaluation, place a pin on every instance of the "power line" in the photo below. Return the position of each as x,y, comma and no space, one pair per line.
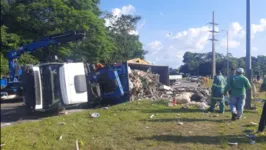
213,31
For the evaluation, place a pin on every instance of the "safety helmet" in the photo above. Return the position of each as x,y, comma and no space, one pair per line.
240,70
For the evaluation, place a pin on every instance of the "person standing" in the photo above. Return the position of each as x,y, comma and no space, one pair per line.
218,86
230,77
262,123
238,84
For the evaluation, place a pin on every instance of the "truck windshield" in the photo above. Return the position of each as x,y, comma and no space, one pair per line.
50,84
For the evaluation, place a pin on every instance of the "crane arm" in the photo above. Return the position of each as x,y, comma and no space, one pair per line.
44,42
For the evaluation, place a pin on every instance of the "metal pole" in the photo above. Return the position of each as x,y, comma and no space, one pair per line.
248,55
227,65
213,48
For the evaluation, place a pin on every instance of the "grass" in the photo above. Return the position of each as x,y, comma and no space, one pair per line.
128,126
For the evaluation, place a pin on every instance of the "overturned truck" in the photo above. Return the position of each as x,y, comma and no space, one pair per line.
51,86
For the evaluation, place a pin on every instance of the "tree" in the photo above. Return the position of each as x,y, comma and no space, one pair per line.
126,42
4,65
32,20
200,63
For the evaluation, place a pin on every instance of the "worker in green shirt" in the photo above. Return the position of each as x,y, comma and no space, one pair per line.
233,72
262,123
218,86
238,85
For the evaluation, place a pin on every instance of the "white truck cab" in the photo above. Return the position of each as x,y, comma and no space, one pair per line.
50,85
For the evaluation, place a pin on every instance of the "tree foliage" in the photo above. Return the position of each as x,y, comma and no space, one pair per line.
24,21
122,30
201,63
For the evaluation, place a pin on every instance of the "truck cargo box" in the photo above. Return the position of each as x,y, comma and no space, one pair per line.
163,71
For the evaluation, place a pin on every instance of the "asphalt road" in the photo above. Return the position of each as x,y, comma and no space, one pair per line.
185,83
13,112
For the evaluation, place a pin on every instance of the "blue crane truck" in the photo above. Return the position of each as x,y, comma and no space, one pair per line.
11,86
53,85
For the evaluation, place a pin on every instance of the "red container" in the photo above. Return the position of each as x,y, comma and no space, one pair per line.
174,102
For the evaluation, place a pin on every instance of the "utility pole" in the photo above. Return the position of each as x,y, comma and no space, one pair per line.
248,55
213,45
227,64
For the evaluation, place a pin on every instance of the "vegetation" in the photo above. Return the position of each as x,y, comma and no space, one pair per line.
25,21
200,63
128,126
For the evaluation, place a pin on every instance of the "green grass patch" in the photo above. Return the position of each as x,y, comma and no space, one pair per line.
128,126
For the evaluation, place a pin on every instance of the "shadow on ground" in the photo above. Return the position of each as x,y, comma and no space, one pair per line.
203,139
187,120
11,101
13,112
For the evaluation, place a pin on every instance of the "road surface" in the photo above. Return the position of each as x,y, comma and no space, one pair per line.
14,112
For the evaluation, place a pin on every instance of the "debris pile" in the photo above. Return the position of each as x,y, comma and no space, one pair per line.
145,85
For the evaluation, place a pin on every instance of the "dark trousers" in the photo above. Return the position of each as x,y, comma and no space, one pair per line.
263,119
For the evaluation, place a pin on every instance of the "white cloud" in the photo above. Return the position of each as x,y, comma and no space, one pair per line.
125,10
172,50
117,12
254,48
169,49
231,43
128,10
193,39
258,27
237,33
154,47
133,32
142,24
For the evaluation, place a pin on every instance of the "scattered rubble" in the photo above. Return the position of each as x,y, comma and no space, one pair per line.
232,143
253,123
145,85
95,115
60,138
180,123
151,116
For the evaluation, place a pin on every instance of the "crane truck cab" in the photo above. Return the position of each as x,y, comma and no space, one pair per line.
53,85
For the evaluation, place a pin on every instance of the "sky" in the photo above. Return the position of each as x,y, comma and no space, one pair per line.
169,28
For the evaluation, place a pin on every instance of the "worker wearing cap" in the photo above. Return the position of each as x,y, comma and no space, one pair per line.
262,123
238,85
218,86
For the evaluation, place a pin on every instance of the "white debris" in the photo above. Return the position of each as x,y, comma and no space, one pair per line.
60,138
164,87
180,123
62,123
5,124
151,116
77,145
232,143
183,98
95,115
253,123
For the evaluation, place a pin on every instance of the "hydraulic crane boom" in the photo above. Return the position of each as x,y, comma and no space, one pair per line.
45,42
